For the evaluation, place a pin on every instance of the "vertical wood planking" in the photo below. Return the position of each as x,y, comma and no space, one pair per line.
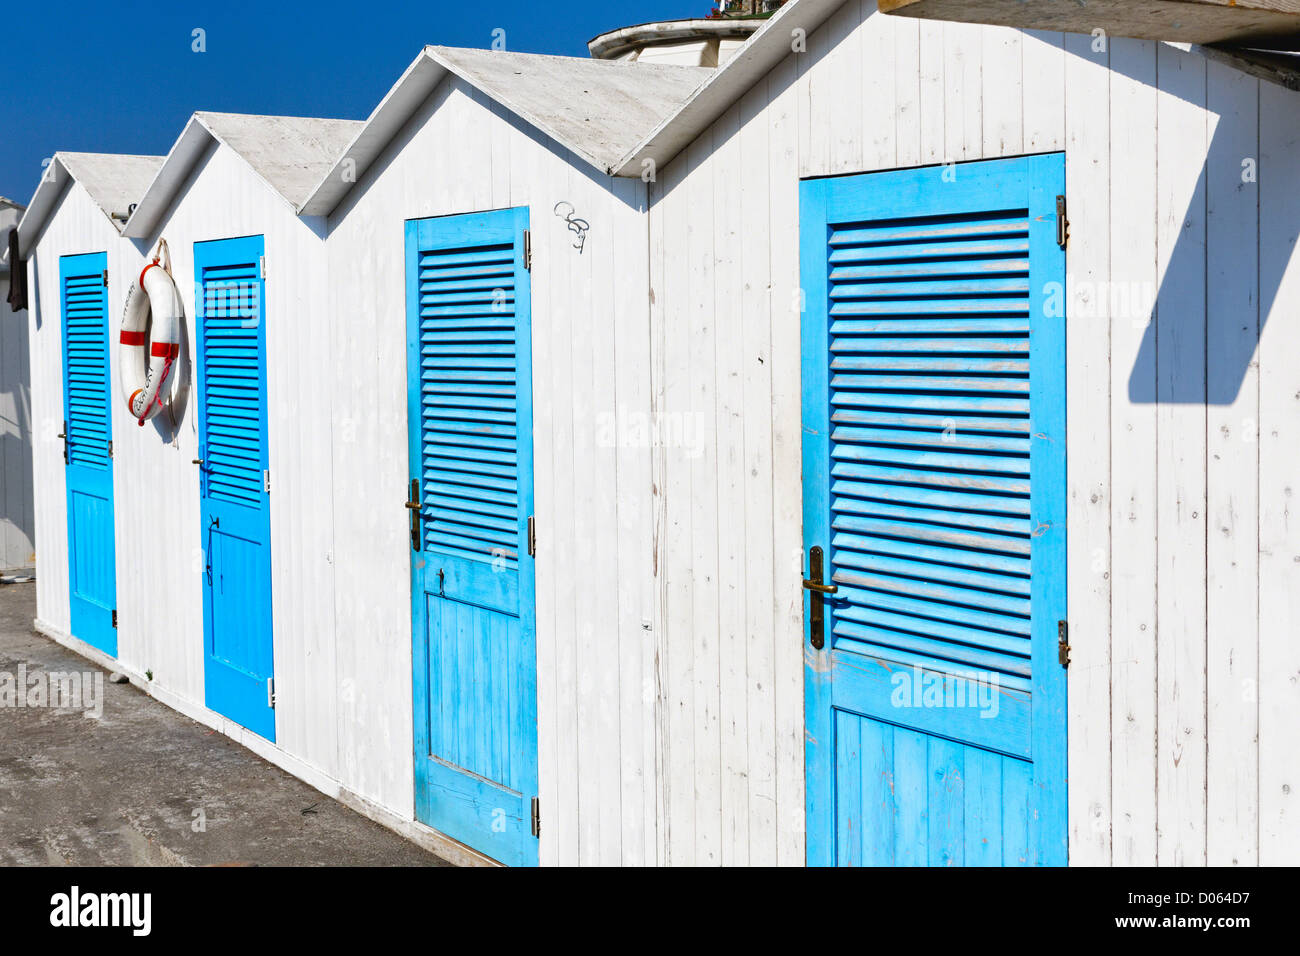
631,404
1232,487
1180,465
1042,65
730,360
932,80
906,58
1088,177
1132,812
757,624
1279,522
1003,101
785,300
678,743
877,38
963,95
703,454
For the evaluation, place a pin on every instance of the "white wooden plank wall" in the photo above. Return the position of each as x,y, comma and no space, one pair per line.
75,227
670,677
17,537
1183,544
591,348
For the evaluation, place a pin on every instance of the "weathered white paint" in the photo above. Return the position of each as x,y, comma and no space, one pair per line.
74,224
667,434
462,152
17,549
1183,544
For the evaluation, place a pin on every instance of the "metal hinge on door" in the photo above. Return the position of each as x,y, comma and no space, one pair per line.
537,817
114,617
532,536
266,481
270,692
528,249
261,266
110,449
1062,223
1063,642
105,278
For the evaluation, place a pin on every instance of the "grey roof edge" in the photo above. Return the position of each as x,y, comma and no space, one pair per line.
412,88
53,181
415,85
58,175
761,53
177,166
180,159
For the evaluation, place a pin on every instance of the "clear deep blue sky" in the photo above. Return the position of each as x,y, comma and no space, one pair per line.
115,77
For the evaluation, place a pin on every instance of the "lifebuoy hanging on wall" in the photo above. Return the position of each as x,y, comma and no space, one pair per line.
145,360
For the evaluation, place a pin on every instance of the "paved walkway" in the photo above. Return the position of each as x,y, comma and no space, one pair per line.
141,784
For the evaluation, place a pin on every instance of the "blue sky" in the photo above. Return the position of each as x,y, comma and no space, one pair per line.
122,77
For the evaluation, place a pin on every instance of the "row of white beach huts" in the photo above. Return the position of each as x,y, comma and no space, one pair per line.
506,423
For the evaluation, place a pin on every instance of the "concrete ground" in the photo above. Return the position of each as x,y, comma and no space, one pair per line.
142,784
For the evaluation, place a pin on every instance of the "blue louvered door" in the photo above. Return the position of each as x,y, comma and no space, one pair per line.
473,614
934,485
88,450
234,499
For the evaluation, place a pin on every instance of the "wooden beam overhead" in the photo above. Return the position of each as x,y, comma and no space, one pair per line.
1271,24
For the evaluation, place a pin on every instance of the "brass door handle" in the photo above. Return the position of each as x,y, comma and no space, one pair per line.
820,588
198,461
413,505
816,600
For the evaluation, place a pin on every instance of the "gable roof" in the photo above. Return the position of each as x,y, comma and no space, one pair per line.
114,181
760,54
596,108
288,153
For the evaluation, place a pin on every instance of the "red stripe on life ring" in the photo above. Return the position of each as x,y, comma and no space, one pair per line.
132,338
165,349
151,265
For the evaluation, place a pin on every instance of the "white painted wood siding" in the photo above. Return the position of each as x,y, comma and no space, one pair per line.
1184,548
75,227
17,537
462,153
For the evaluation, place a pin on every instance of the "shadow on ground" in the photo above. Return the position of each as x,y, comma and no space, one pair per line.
144,785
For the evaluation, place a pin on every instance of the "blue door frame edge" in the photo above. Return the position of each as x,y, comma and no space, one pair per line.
1036,180
238,632
88,457
478,809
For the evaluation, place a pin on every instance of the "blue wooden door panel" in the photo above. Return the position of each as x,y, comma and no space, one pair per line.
88,436
934,479
234,503
473,613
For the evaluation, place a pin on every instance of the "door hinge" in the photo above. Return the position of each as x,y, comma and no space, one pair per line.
105,278
266,481
528,249
261,266
110,449
532,536
537,817
1062,224
1063,642
114,617
270,692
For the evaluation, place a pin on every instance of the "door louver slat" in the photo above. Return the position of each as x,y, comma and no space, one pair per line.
232,383
929,343
469,399
86,332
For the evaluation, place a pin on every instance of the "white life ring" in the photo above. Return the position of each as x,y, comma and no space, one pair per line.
143,377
